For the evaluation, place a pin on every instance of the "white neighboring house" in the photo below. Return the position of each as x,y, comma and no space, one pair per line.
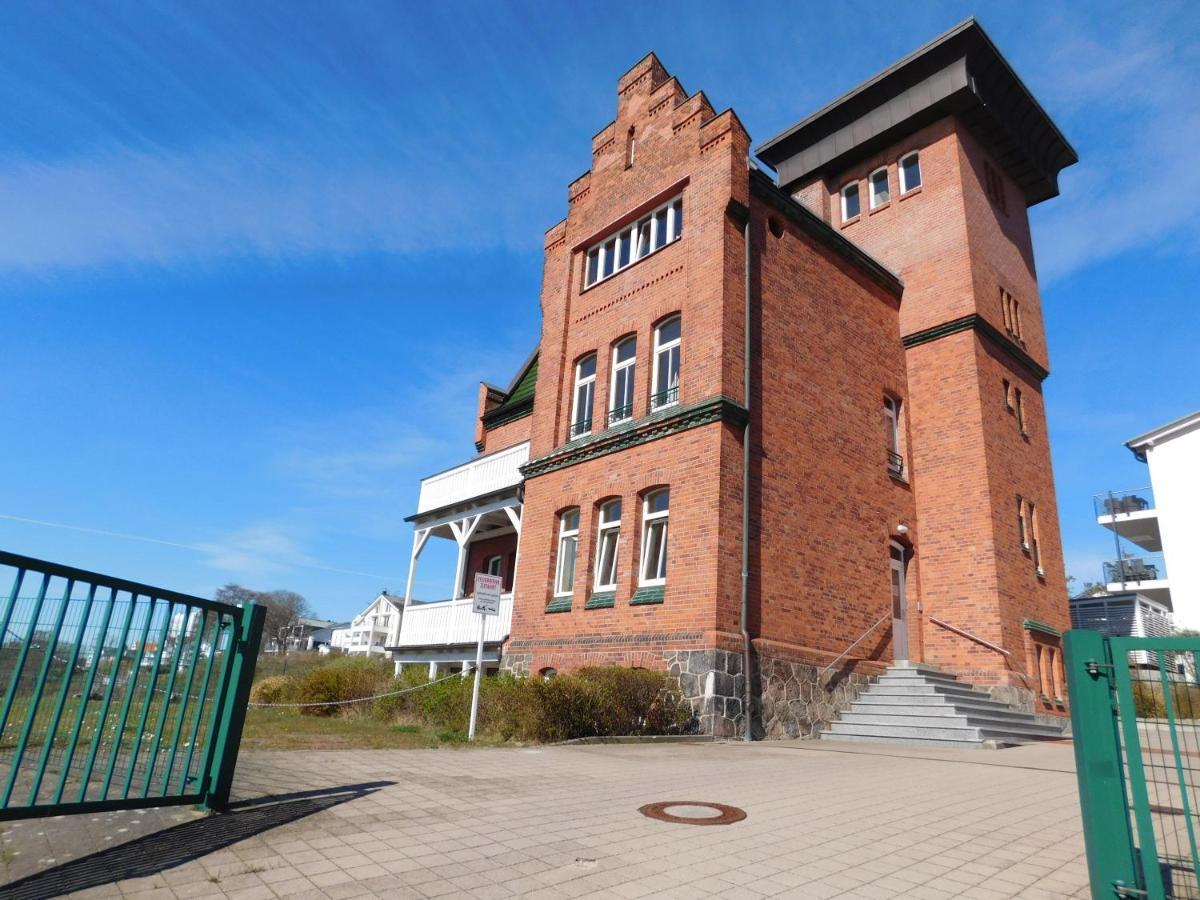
1162,523
373,629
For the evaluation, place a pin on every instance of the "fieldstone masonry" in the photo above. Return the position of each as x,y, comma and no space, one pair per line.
792,699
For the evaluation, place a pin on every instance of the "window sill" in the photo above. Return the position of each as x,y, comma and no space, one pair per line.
601,600
911,193
880,208
647,595
559,604
846,223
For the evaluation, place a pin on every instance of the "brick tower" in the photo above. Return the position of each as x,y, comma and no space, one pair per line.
930,167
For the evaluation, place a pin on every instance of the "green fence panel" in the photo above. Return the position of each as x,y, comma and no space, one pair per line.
117,694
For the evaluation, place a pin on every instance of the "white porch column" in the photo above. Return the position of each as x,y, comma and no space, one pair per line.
420,536
433,670
515,514
463,530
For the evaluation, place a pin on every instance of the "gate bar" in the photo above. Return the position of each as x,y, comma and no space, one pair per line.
187,696
208,667
98,734
130,686
152,758
141,728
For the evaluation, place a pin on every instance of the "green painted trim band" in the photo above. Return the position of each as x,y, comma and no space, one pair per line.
648,595
659,424
1034,625
559,604
976,322
605,600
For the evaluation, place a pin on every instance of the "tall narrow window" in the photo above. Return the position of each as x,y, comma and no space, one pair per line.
1035,544
665,390
851,206
879,187
630,147
891,435
493,565
585,394
620,397
1022,528
1019,404
910,172
1012,314
1008,396
607,543
654,537
568,546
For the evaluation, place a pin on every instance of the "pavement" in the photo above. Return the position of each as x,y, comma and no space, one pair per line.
822,820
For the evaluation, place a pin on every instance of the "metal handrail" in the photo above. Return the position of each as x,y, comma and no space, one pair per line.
862,637
968,634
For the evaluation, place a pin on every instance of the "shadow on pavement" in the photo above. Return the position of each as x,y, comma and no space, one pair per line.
172,847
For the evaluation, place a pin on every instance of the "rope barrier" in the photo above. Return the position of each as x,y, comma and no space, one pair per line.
406,690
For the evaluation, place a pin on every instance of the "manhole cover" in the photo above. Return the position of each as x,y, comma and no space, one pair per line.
693,812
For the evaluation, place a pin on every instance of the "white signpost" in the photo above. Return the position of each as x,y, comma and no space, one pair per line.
487,603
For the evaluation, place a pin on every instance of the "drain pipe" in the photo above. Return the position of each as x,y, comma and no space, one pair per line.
745,619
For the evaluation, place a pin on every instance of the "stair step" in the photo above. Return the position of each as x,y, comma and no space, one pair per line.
888,739
945,732
920,687
1029,727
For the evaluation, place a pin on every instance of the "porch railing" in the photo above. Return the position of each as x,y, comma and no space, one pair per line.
452,622
482,475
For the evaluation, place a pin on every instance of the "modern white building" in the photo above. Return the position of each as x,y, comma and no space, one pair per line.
478,506
1156,530
373,629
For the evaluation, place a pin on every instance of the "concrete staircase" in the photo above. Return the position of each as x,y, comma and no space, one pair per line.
912,703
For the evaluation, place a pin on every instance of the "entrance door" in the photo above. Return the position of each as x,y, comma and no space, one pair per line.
899,604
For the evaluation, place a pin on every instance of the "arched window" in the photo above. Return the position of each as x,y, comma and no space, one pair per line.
665,390
620,397
851,206
608,540
655,511
879,187
568,545
910,172
585,395
547,673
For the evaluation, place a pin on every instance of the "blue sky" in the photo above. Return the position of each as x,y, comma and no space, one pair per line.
255,258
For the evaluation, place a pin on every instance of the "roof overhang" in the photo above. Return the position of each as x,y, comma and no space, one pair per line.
959,73
1143,442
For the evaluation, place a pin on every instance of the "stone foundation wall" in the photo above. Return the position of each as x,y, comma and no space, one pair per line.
790,699
516,663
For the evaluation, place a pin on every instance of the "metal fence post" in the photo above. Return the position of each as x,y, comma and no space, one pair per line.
1106,830
243,647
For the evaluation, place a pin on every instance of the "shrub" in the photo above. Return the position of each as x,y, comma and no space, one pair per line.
401,706
347,678
447,704
636,701
273,689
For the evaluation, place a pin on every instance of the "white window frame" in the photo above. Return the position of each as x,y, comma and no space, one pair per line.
631,380
843,192
875,201
566,535
661,348
632,236
603,529
905,187
891,418
583,384
648,519
493,562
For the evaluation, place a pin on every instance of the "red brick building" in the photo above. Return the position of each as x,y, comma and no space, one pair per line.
768,418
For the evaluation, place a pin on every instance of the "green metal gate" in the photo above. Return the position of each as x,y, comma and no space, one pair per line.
1135,714
116,694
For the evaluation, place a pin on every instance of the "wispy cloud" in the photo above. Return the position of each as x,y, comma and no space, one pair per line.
1129,95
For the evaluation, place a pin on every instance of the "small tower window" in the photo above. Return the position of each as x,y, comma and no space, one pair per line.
851,205
910,172
630,147
879,188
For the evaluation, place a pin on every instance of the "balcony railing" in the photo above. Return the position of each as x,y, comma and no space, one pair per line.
580,428
482,475
1115,503
665,398
452,622
1135,569
895,463
620,414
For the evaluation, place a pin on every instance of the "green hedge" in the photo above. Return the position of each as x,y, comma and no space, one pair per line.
593,702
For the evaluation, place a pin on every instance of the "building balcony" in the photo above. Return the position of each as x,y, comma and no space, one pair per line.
485,475
1131,515
1146,574
449,623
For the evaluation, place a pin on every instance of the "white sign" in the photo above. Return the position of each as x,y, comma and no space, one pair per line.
487,594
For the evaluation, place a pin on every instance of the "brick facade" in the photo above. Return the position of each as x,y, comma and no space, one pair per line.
842,315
